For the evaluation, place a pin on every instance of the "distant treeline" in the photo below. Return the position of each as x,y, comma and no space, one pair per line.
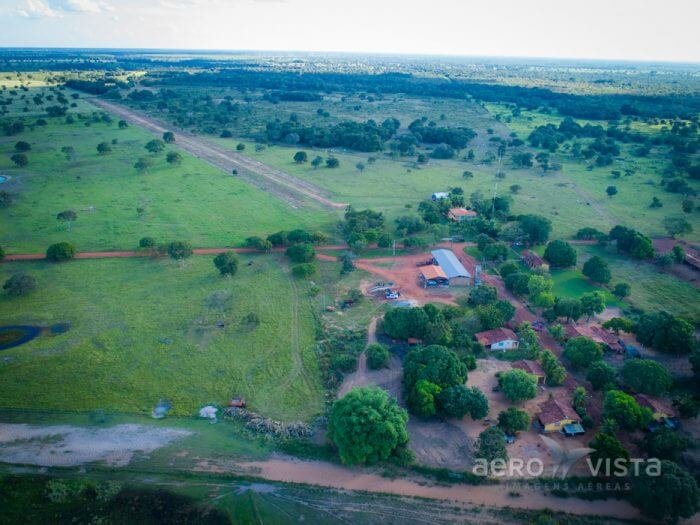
599,107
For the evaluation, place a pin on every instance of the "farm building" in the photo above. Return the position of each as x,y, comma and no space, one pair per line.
660,409
498,339
432,275
531,367
454,270
597,334
555,415
438,196
460,214
534,261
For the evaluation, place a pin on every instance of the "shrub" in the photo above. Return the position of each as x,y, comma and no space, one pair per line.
19,284
226,263
304,270
61,251
377,356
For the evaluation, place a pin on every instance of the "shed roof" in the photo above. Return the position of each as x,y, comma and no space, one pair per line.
531,367
656,405
462,212
496,335
449,263
432,272
553,411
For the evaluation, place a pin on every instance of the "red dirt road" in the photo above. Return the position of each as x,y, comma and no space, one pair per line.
124,254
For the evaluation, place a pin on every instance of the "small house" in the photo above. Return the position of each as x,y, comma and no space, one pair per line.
534,261
440,195
498,339
660,409
555,415
597,334
531,367
461,214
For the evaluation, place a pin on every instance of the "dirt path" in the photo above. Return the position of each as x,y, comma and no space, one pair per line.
335,476
288,188
124,254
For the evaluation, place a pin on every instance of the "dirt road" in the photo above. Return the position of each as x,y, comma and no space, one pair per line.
292,190
335,476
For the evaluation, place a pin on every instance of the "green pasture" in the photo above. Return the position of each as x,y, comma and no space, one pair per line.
116,205
652,289
144,329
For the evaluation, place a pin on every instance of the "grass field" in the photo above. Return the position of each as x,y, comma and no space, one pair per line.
192,201
142,329
652,290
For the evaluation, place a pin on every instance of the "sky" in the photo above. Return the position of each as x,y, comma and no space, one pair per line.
649,30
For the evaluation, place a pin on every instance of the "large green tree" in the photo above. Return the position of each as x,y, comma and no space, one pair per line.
517,385
646,376
625,411
61,251
367,426
665,498
582,352
601,375
226,263
513,420
491,445
560,254
666,333
596,269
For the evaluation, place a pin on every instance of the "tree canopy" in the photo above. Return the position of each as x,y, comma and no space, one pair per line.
517,385
646,376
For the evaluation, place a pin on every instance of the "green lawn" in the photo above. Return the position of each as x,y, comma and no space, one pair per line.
652,289
193,201
142,329
571,283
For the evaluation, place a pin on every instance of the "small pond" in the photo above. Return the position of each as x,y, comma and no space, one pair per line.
11,336
3,179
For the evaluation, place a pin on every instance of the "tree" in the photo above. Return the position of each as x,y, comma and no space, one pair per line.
667,497
554,371
300,157
606,447
67,216
367,426
494,315
666,333
625,411
513,420
518,283
6,199
123,124
155,146
560,254
61,251
174,158
597,269
491,445
20,160
422,398
581,352
621,290
301,253
332,162
19,284
103,148
360,167
677,226
611,190
226,263
168,137
22,146
317,161
678,253
646,376
459,400
179,250
304,270
536,227
665,443
483,294
517,385
2,253
377,356
592,303
601,376
240,146
567,308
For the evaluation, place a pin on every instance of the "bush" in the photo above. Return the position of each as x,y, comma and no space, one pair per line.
646,376
147,242
560,254
61,251
601,376
513,420
582,352
377,356
179,250
226,263
517,385
303,270
301,253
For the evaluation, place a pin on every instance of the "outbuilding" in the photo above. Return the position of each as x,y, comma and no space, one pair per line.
432,275
454,270
555,415
498,339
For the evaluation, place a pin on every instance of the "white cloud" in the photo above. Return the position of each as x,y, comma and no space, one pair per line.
36,9
77,6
